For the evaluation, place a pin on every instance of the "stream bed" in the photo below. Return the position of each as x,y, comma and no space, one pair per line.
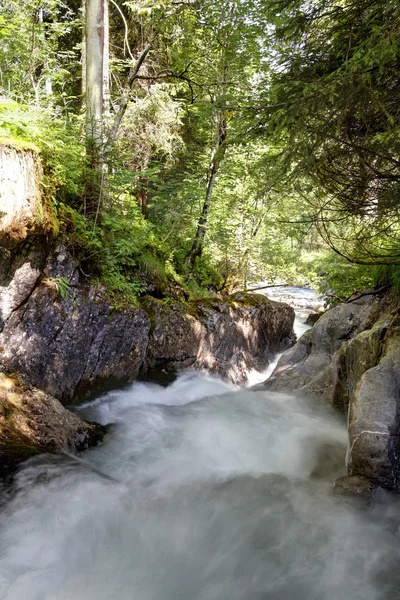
200,492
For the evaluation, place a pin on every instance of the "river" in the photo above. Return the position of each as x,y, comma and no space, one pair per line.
200,492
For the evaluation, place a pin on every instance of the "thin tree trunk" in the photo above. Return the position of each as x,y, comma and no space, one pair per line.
94,71
218,154
95,50
124,100
106,63
83,84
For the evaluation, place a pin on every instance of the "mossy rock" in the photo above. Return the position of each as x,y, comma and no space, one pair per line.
32,422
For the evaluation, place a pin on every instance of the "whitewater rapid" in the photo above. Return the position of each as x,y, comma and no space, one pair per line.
200,492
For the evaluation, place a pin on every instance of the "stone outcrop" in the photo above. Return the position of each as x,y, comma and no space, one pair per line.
228,338
307,366
64,344
351,358
61,343
359,491
32,422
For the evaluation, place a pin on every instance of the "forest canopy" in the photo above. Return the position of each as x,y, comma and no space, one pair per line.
201,146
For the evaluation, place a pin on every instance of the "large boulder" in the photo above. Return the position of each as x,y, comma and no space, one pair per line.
65,335
62,344
351,358
374,412
32,422
310,365
227,337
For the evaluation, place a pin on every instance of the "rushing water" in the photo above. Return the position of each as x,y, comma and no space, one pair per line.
201,492
304,301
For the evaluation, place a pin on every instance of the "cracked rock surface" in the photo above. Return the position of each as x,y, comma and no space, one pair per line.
351,358
63,344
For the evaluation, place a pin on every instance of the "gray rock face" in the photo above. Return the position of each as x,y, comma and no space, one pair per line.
307,366
374,415
359,491
64,343
20,272
352,359
32,422
227,338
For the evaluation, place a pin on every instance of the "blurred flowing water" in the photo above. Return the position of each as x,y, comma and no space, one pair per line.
200,492
304,301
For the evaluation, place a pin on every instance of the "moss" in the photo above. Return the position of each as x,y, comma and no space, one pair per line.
155,309
8,411
19,143
14,449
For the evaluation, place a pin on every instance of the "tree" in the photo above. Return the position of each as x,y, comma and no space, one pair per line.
334,106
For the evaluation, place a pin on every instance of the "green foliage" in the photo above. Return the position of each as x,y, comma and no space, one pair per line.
60,285
58,142
38,53
334,275
307,94
334,108
388,275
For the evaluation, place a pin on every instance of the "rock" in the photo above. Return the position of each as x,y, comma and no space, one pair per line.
32,422
351,358
307,366
227,338
374,417
313,317
175,335
20,272
62,344
358,490
241,334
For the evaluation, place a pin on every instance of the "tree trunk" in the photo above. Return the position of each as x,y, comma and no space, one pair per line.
95,62
142,199
216,158
83,58
106,63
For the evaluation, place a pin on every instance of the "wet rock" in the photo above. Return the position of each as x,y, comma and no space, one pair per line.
20,272
313,317
227,338
242,333
307,366
351,358
358,490
374,418
32,422
61,344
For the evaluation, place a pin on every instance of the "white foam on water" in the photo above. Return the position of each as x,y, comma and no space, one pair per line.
223,495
